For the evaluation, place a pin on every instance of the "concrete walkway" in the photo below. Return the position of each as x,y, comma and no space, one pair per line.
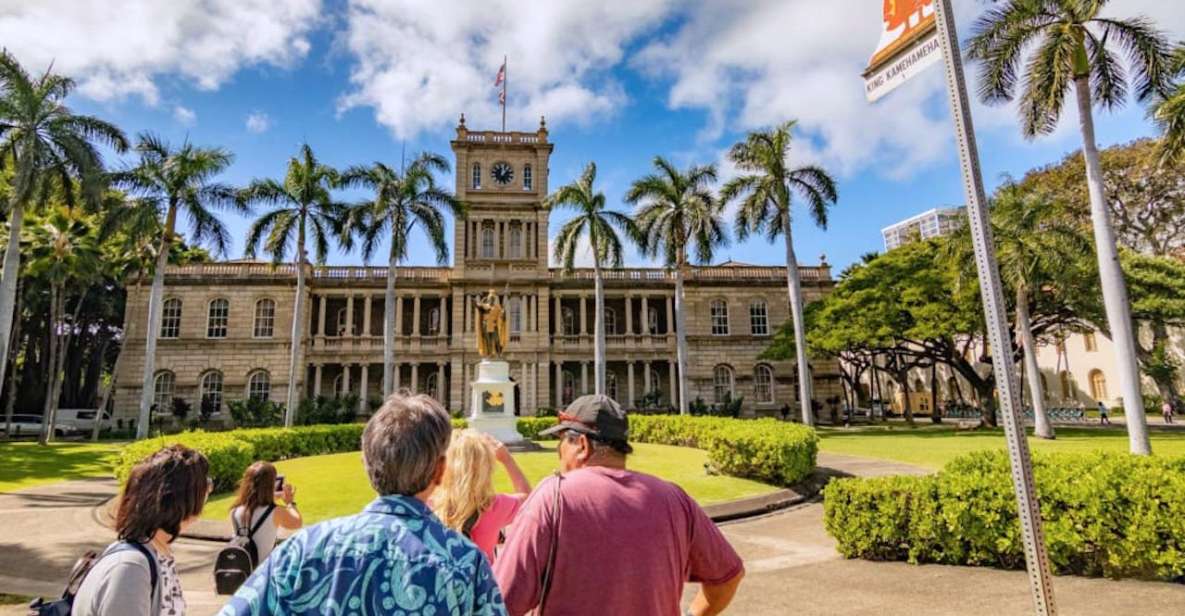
791,562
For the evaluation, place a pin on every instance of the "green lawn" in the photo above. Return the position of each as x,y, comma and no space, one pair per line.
334,485
934,446
27,464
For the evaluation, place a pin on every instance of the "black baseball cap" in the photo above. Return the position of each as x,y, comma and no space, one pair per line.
598,416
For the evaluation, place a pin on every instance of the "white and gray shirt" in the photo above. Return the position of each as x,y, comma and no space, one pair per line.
119,584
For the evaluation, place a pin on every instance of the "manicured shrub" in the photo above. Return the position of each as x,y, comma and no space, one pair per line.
530,427
228,457
1110,515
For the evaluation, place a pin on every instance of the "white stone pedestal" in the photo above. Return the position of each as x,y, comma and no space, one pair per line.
492,409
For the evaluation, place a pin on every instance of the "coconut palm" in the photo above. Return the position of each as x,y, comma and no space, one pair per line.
47,144
302,208
402,199
169,182
63,250
599,226
1169,112
765,191
676,212
1074,48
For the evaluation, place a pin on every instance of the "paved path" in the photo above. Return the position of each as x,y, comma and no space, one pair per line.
791,562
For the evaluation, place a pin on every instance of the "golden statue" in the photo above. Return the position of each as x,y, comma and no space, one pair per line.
492,332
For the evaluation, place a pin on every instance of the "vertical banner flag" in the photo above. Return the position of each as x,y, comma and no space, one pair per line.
499,81
909,44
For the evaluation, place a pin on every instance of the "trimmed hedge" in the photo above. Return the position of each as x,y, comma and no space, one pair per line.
230,453
1110,515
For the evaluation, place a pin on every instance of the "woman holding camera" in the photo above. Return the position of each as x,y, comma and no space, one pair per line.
255,507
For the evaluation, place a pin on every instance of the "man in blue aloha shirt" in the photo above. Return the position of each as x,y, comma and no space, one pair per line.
395,557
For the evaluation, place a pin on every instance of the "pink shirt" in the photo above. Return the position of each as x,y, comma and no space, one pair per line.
627,543
497,517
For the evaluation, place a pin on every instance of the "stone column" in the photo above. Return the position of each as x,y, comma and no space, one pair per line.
346,378
415,316
363,384
415,377
583,314
366,299
316,380
645,317
673,367
321,317
671,314
646,385
559,384
395,369
629,317
583,378
629,375
440,397
350,315
398,315
558,329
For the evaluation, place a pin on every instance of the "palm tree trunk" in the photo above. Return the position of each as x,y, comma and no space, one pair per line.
1115,299
106,397
680,341
12,265
55,343
389,325
1041,425
297,329
10,403
794,288
155,297
598,328
935,416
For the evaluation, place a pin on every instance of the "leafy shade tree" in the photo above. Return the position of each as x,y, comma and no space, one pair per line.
48,146
676,212
63,250
1146,197
302,207
765,190
1075,49
600,226
402,199
171,181
1169,112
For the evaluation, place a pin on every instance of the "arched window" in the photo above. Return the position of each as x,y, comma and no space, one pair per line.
516,315
758,318
763,383
569,319
516,241
265,318
343,323
477,175
431,386
434,321
652,320
211,391
568,394
527,179
719,313
1067,390
611,384
610,321
162,391
1098,385
259,385
722,383
170,318
1089,342
487,241
218,318
339,385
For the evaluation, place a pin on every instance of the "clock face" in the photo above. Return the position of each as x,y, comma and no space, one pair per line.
502,173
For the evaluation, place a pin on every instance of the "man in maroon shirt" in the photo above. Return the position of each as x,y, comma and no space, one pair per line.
618,542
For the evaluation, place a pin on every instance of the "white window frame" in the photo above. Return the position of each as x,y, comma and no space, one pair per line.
163,399
489,244
477,176
718,312
723,380
610,321
759,318
528,180
763,384
265,318
515,315
218,325
568,321
255,386
611,384
206,387
170,320
515,241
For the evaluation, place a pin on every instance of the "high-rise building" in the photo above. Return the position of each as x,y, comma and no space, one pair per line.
928,224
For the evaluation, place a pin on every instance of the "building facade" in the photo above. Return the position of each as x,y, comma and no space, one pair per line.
928,224
226,327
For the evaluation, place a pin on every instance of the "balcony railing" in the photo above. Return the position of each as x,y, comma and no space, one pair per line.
500,137
756,272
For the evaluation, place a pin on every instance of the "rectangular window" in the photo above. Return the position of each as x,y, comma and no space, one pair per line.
527,179
217,321
719,314
758,319
265,318
170,322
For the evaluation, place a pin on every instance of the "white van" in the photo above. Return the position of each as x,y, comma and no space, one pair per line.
81,420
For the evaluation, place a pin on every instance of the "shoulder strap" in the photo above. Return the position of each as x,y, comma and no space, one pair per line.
263,518
470,522
152,572
549,569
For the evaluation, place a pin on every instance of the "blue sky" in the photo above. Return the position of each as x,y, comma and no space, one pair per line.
619,83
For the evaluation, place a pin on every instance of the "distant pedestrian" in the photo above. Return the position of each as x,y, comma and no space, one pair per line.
1103,421
255,506
601,539
466,501
1166,409
395,557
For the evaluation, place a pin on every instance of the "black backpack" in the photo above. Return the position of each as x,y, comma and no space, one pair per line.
83,566
239,558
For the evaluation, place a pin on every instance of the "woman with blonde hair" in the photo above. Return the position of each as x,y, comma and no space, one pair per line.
466,501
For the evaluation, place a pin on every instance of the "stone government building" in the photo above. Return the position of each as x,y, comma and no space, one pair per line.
226,326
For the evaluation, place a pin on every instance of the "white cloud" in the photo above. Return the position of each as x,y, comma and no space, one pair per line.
258,122
420,64
184,116
118,48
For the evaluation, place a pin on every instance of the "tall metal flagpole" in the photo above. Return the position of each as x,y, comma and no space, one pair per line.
505,75
1036,559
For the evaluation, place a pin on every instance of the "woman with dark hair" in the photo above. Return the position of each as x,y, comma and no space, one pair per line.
136,575
255,507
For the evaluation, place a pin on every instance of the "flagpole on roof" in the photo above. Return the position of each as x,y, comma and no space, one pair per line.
504,76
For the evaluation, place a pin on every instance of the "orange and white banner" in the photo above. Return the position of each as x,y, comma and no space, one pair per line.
908,45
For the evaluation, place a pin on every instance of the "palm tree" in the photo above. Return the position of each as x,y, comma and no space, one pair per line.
47,144
402,199
1075,49
63,250
600,227
1169,111
765,193
172,181
302,208
676,211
